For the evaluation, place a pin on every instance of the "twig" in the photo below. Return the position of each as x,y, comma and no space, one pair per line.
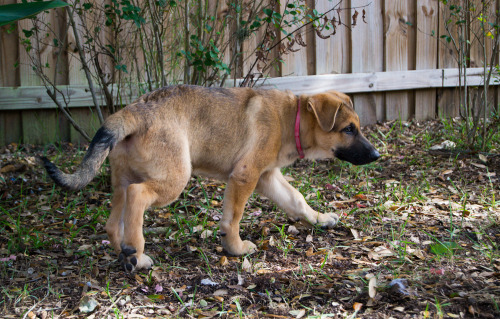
113,303
84,64
77,127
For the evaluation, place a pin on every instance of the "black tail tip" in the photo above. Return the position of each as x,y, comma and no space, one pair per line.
49,166
53,171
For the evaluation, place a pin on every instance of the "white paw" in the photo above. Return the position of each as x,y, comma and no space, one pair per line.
239,249
327,220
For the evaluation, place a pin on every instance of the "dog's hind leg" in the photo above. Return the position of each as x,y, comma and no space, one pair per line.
176,172
273,185
139,198
114,225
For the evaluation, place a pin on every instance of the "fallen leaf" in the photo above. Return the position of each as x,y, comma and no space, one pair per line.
293,230
272,241
357,306
206,234
372,284
246,265
298,313
208,282
220,292
84,247
309,252
478,165
87,304
483,158
355,234
223,261
360,197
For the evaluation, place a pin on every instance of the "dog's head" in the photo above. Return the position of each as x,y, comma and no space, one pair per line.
337,130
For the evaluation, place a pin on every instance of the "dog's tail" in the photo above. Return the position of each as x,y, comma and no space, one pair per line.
116,128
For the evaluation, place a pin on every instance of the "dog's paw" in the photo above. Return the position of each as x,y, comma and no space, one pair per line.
130,261
327,220
243,248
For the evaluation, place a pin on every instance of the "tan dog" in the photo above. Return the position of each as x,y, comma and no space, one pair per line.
240,135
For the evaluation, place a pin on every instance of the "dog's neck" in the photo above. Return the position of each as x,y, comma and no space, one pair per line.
288,152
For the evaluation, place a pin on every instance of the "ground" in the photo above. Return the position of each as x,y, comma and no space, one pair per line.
419,237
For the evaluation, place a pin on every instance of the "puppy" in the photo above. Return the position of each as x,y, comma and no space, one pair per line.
239,135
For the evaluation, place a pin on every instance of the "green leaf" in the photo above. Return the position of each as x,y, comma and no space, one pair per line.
268,11
13,12
87,6
444,248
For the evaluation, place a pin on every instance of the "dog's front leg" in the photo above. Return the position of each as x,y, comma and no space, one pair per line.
238,189
273,185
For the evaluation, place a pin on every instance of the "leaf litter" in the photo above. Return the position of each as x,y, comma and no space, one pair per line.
418,236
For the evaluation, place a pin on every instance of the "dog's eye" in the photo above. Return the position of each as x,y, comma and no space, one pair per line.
348,130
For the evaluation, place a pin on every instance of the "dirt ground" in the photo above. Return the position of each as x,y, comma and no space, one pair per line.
419,237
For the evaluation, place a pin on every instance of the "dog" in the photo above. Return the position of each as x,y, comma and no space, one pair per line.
242,136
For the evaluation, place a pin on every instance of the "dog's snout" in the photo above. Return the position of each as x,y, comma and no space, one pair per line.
374,155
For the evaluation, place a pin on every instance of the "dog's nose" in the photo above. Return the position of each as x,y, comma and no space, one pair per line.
374,155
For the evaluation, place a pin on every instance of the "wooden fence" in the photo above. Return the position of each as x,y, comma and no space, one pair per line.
392,62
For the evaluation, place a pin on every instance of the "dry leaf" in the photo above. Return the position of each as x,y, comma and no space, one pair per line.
220,292
223,261
355,233
372,284
206,234
478,165
298,313
310,252
197,228
272,241
357,306
246,265
293,230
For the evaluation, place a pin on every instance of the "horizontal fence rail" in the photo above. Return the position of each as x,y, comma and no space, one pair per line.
30,98
376,81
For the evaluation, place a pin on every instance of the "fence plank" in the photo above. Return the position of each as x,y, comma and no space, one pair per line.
295,63
76,74
479,43
448,99
10,127
427,22
367,56
333,54
396,54
39,126
9,51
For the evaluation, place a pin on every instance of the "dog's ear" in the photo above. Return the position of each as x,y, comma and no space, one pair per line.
325,108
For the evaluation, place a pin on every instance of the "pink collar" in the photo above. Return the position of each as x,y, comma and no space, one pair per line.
297,131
